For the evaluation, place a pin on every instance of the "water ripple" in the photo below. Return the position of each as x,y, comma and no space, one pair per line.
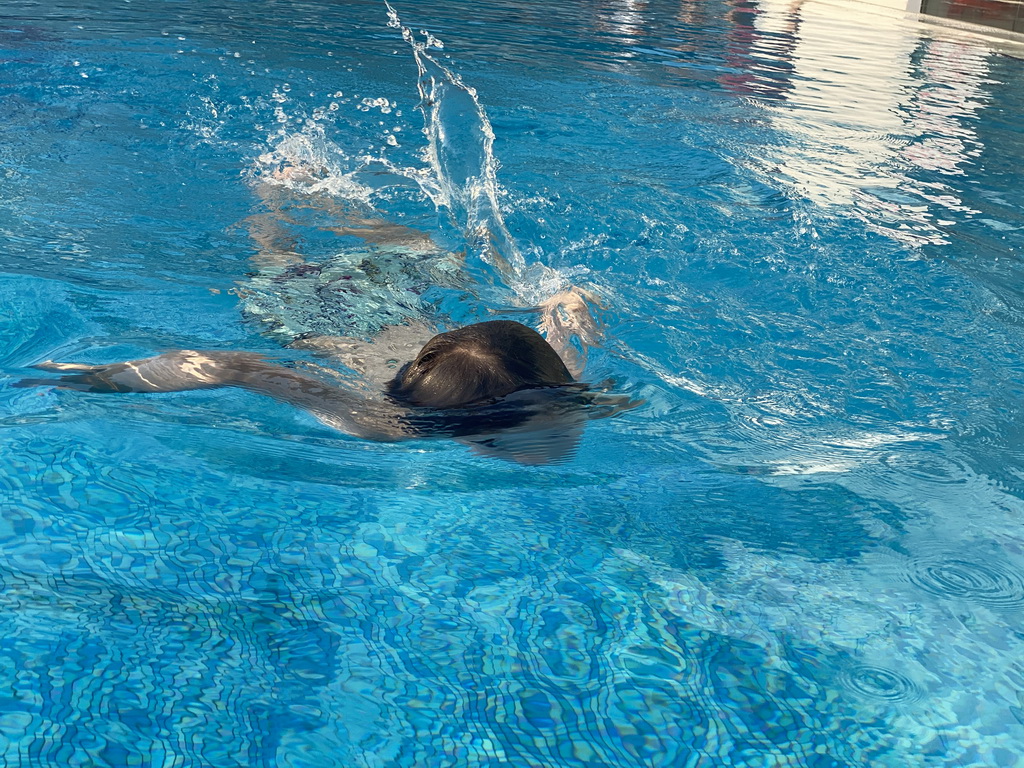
990,584
880,683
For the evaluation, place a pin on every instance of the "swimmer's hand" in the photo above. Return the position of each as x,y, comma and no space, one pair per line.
567,316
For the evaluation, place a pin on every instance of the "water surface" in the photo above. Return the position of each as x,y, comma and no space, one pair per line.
805,549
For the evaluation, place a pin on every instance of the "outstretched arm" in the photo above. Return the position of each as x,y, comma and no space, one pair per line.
187,369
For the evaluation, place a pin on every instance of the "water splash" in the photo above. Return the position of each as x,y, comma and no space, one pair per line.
460,153
308,162
458,176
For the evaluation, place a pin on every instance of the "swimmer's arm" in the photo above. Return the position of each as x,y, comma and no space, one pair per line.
567,316
187,370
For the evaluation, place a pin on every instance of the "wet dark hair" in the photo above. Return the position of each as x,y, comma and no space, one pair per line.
477,364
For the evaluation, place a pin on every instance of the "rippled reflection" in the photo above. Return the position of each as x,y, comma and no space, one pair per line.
860,128
986,583
880,683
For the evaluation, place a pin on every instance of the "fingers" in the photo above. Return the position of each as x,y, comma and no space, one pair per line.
573,315
573,297
28,383
85,381
50,365
80,376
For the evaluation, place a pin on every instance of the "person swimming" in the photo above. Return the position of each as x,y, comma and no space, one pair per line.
497,386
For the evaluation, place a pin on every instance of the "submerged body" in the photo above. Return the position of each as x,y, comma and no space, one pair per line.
497,386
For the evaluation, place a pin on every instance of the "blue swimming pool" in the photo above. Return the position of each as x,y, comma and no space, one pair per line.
806,548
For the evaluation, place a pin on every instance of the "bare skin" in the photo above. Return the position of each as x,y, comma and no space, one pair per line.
563,317
530,426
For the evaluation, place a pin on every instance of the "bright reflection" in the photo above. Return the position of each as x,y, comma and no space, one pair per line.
857,126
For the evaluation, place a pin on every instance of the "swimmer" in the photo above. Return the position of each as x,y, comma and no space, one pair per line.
497,386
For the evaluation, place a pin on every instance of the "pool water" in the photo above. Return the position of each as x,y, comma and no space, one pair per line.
804,226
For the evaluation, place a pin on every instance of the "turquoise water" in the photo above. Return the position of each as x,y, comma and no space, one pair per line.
805,549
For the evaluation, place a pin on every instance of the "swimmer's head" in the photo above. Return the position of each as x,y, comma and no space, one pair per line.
479,363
